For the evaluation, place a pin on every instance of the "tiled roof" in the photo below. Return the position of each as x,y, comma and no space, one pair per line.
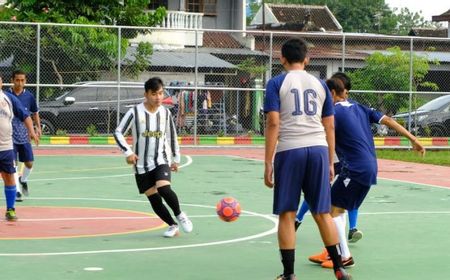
219,40
443,17
428,32
313,17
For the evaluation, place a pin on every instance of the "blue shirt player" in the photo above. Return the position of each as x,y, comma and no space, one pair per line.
356,151
10,107
22,146
299,139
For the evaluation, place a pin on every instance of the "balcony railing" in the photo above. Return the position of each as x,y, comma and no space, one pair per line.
176,19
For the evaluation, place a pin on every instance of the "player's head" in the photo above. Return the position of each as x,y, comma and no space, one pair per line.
18,79
154,91
294,51
344,78
337,89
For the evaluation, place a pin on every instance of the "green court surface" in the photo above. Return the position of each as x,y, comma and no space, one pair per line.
406,227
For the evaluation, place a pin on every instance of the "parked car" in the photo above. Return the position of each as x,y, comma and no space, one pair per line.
430,119
91,103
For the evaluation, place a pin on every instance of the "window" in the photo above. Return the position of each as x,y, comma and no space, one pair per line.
208,7
154,4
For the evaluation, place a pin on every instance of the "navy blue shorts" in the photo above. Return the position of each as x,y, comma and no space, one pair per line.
147,180
304,169
25,152
7,162
348,194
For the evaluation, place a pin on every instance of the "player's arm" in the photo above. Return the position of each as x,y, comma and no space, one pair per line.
328,124
119,136
34,109
29,125
390,122
37,122
271,135
172,137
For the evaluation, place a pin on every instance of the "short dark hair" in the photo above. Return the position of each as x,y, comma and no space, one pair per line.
17,72
294,50
153,84
344,78
337,85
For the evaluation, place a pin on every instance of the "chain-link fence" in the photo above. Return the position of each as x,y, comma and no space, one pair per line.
86,77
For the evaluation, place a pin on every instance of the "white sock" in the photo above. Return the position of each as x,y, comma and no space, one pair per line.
26,172
16,179
340,222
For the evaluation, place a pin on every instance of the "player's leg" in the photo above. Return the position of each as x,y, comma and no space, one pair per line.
146,185
304,208
353,233
26,156
162,177
317,192
19,194
289,172
7,172
338,215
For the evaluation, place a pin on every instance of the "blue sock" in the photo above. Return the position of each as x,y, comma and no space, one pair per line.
10,195
302,211
352,218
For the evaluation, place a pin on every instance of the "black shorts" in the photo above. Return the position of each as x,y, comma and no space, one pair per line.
147,180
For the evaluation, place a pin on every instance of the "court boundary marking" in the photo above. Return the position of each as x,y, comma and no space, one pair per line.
221,242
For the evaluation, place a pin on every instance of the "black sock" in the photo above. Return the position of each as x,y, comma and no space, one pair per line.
170,197
160,209
334,252
288,259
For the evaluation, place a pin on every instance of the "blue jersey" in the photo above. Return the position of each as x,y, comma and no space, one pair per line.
20,132
302,101
354,141
10,107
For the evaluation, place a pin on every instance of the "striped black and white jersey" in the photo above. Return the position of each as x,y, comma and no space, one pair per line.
154,137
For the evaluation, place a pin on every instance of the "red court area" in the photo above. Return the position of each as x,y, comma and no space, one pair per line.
65,222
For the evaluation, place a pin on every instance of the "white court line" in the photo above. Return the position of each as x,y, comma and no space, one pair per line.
113,218
271,231
415,183
189,162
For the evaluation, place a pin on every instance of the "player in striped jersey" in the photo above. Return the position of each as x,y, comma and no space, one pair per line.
299,139
155,154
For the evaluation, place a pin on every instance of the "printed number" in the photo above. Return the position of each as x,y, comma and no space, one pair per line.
309,103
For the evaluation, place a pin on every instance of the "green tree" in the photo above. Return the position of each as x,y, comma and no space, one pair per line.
390,71
64,50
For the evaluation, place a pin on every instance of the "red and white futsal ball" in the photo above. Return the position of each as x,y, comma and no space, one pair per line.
228,209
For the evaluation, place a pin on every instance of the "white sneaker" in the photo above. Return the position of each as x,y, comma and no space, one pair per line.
172,231
186,224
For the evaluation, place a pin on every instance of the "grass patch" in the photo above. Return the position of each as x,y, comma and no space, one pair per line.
438,157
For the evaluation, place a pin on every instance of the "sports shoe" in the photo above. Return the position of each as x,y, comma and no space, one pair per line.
24,186
10,215
282,277
320,258
172,231
19,197
341,274
297,224
354,235
186,224
347,263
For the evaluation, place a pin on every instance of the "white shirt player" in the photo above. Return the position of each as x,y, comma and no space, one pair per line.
154,137
302,100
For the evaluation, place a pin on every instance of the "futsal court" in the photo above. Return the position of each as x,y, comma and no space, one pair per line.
84,219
